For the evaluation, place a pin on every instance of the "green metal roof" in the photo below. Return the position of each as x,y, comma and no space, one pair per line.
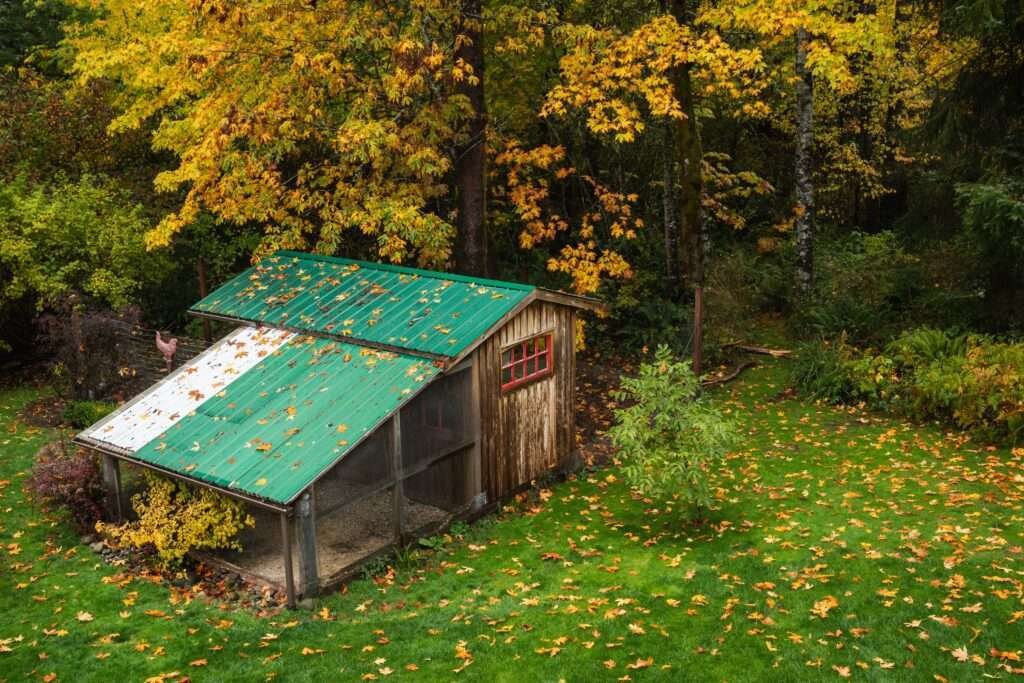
275,428
405,308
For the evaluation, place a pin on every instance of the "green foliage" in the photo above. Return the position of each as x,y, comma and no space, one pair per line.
435,543
994,215
669,438
175,519
969,381
993,222
642,317
865,284
377,566
741,286
820,370
28,28
81,414
79,236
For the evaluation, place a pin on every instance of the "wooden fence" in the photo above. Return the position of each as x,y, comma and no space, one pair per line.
143,364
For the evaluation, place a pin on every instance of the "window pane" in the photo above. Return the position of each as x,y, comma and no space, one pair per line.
517,352
541,343
542,362
506,375
517,371
531,366
506,356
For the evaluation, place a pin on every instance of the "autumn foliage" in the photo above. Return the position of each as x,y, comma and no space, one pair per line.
175,519
68,478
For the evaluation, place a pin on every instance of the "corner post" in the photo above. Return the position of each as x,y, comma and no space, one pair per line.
305,518
396,472
111,470
286,547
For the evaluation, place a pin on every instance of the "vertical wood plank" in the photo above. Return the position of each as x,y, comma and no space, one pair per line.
305,518
112,485
398,493
474,479
286,547
527,431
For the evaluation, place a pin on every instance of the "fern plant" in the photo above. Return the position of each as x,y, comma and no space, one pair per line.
668,438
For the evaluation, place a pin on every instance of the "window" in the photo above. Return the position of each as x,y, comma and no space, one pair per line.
526,361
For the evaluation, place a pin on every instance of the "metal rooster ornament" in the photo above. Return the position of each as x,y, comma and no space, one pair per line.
168,348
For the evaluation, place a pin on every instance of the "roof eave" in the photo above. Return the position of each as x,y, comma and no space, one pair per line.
586,303
126,455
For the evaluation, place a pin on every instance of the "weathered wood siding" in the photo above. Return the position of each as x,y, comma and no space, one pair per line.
530,429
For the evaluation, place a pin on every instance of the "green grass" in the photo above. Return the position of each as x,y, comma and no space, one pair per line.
916,535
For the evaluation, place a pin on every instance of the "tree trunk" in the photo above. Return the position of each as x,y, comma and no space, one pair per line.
470,163
671,228
804,182
203,291
690,156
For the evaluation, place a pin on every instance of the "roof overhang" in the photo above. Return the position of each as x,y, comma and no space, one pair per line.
586,303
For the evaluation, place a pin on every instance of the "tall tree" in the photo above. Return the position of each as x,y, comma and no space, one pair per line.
328,123
471,247
804,223
690,157
837,56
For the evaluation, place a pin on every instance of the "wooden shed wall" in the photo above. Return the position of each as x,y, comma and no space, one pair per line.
528,430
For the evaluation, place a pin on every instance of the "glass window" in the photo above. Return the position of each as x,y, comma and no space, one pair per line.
526,361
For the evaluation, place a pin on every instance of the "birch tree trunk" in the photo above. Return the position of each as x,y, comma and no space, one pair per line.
804,183
471,255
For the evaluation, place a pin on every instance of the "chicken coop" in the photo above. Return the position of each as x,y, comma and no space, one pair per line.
355,407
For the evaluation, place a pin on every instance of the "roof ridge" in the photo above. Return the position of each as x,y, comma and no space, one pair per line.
395,268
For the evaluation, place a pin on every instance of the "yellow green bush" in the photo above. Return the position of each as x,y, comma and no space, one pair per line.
971,381
174,518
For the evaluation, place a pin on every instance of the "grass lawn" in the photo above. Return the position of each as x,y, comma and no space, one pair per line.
845,545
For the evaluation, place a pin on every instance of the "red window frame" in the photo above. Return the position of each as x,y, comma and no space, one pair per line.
527,361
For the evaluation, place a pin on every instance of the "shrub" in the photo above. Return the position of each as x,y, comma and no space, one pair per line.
69,479
640,316
91,354
970,381
865,284
81,414
175,518
741,286
667,437
83,236
820,370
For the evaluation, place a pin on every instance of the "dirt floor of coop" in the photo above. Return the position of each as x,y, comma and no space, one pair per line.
344,537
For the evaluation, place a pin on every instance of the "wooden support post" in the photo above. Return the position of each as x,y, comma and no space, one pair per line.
396,472
286,546
112,485
305,518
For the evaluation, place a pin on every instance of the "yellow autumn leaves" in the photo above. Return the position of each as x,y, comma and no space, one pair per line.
175,519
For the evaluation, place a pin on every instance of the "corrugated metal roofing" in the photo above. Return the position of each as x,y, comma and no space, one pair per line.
155,410
273,429
405,308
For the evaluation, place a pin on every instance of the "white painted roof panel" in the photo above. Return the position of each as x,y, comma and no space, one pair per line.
160,407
